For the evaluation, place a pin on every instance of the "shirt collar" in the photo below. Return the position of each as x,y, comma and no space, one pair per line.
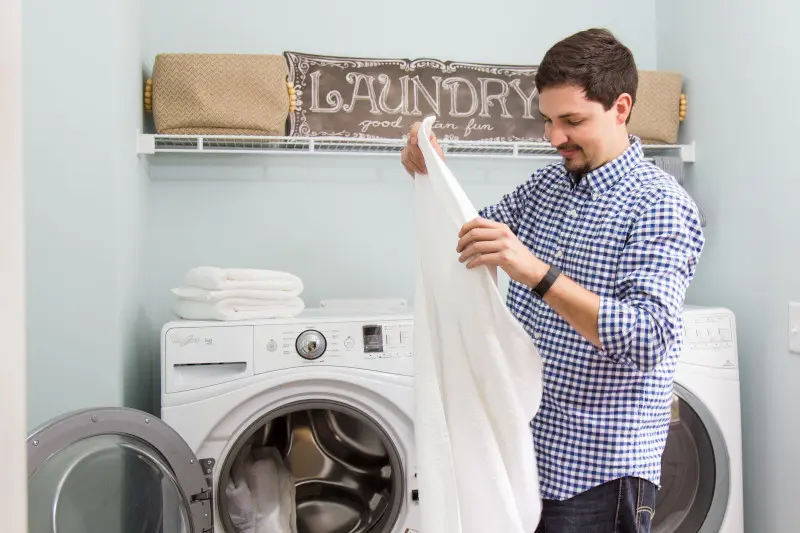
602,178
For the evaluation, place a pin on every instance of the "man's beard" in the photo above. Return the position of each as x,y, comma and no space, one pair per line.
575,165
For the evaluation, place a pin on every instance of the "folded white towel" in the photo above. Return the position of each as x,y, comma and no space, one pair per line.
237,309
205,295
215,278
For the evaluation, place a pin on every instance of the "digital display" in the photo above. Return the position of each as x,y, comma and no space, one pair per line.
373,339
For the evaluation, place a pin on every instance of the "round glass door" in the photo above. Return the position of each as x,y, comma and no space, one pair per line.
694,470
113,471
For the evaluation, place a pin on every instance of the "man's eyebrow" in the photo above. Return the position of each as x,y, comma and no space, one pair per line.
563,115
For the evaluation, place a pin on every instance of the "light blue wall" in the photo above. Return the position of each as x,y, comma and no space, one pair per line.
90,205
739,59
84,201
293,213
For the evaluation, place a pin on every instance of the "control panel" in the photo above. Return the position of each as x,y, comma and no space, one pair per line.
709,338
385,345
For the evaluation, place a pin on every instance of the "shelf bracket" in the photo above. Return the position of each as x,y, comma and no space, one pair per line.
688,152
145,143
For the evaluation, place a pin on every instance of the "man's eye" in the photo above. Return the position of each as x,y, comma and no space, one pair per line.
575,122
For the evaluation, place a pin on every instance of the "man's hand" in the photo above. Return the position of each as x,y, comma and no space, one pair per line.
411,156
487,243
484,242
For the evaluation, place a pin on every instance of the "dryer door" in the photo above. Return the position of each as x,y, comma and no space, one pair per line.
115,470
695,477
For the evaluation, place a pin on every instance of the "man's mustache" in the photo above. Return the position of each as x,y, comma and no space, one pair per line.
568,147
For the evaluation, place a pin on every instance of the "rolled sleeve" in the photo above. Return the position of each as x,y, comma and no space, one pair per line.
640,324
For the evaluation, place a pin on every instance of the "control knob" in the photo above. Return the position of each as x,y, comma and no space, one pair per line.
311,344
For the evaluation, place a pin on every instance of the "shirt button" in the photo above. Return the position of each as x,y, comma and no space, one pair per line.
559,254
536,336
595,196
573,213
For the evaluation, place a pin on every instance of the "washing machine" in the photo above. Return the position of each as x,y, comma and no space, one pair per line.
701,469
328,393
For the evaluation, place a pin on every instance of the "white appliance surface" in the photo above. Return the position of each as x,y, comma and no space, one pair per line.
704,449
221,381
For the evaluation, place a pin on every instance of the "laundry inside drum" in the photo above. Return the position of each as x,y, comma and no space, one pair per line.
324,468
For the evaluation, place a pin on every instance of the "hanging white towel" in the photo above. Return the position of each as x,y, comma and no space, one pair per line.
478,378
205,295
215,278
237,309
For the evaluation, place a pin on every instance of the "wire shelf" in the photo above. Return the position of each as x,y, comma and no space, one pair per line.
244,144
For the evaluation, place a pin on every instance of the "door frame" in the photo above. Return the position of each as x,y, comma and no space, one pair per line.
13,492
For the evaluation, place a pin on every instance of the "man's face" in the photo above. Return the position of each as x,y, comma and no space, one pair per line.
582,131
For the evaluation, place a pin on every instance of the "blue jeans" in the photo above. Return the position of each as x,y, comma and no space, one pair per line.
624,505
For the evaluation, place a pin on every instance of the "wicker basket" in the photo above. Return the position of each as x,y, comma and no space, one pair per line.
659,109
219,94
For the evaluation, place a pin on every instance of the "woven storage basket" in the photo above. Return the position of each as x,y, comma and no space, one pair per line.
655,117
220,94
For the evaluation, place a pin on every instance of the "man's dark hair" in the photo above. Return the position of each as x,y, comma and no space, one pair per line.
593,60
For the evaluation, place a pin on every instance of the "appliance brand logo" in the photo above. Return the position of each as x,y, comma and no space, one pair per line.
191,339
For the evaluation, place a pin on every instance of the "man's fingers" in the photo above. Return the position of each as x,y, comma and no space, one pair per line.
418,167
485,259
480,248
477,234
410,163
412,135
436,146
477,223
417,161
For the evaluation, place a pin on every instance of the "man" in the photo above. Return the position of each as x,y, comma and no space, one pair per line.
601,249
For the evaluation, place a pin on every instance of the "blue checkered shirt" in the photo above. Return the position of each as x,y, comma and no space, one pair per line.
631,234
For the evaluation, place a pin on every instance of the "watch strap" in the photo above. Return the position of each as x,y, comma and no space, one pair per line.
547,281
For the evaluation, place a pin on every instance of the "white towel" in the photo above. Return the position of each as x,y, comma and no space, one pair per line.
205,295
478,378
261,492
273,491
215,278
241,507
237,309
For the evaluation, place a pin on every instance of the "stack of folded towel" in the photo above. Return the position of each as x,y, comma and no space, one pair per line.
211,293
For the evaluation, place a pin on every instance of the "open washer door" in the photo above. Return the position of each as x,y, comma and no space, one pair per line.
115,470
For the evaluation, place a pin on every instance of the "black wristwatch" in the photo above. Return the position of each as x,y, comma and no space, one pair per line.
547,281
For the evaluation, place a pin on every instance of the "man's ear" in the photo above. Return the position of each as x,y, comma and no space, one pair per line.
622,107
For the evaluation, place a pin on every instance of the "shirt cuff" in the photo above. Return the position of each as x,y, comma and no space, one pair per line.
616,324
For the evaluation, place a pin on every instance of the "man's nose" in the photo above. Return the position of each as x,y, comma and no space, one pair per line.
556,136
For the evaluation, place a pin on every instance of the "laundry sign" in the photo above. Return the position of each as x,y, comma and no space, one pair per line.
382,98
